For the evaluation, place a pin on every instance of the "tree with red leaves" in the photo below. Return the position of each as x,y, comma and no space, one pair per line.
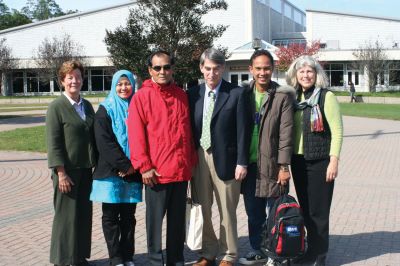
286,55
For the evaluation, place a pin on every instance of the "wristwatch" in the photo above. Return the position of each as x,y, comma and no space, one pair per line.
284,167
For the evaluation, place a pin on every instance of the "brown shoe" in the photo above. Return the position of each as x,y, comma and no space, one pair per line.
225,263
204,262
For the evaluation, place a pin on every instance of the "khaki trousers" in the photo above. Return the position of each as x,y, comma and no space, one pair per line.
205,183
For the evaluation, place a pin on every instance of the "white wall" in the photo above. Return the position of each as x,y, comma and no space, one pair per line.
238,18
87,29
351,31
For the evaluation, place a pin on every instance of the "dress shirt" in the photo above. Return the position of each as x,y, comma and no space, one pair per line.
78,106
207,97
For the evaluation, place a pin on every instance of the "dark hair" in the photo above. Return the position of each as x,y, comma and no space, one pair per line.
158,53
261,52
214,55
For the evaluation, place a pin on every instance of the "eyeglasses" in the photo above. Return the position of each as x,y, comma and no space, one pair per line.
158,68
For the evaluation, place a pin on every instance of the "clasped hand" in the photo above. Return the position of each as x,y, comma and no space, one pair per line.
149,177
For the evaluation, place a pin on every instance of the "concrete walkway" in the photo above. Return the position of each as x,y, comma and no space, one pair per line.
365,216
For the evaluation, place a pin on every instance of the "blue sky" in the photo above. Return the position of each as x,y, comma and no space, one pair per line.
379,8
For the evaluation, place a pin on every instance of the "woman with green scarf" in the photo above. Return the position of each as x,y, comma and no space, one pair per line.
318,133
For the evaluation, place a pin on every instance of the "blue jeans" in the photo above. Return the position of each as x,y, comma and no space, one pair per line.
257,209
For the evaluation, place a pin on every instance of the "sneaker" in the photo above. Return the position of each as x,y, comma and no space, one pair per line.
129,263
271,262
253,257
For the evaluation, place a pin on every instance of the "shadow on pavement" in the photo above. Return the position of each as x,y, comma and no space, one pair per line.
345,249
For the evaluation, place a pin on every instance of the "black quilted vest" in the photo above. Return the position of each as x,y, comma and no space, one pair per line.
316,144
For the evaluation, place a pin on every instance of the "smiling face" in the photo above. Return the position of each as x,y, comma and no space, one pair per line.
124,88
306,77
261,69
212,73
161,70
72,83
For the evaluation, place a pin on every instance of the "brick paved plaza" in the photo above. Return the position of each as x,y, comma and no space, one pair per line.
365,217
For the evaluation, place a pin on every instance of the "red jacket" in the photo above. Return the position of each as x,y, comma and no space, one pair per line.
159,132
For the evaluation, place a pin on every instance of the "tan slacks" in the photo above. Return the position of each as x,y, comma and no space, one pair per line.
205,182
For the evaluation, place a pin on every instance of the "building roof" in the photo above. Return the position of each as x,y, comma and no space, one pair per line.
65,17
264,45
246,50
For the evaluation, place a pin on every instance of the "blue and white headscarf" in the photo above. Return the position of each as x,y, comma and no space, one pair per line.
117,109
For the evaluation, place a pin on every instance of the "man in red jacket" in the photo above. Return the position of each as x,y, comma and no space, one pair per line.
162,149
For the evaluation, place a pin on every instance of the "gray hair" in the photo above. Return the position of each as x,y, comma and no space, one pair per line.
214,55
321,80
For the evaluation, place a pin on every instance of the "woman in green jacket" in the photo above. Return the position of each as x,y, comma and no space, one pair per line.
71,157
318,134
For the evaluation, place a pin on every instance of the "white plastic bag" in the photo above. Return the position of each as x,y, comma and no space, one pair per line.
194,225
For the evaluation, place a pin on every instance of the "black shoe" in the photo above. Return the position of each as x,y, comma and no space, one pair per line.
306,259
85,263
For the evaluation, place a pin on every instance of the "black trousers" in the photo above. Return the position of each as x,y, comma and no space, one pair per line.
119,222
315,198
167,199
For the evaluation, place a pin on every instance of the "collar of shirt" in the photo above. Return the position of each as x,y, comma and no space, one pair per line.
78,106
72,101
216,90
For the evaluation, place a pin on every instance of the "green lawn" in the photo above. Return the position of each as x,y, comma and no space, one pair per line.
33,139
370,94
16,109
24,139
373,110
6,105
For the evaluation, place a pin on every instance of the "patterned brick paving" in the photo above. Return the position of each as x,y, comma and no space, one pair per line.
365,217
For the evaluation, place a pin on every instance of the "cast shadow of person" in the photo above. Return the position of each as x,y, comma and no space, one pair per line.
346,249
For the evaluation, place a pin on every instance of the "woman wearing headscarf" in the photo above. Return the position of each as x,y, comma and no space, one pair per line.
116,184
71,155
318,133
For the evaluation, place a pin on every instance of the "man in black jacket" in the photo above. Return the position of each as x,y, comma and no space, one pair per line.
221,131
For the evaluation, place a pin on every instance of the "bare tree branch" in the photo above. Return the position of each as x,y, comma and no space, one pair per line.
7,61
52,53
372,57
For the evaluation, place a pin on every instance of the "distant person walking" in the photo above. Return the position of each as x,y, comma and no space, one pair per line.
352,92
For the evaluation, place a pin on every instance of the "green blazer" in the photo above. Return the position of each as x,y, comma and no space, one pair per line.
70,140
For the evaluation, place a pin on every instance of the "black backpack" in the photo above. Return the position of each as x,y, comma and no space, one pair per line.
283,233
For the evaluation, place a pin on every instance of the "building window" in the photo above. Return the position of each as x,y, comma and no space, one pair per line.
100,79
298,17
286,43
335,74
18,82
276,5
394,74
288,11
356,78
36,83
44,84
85,86
32,82
235,79
394,77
